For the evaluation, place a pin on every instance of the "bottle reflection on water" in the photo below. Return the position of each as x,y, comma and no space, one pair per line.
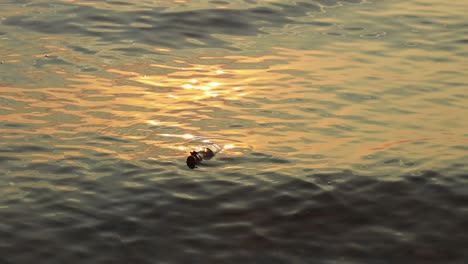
206,152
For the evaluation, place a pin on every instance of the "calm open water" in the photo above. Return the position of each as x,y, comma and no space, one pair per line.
344,126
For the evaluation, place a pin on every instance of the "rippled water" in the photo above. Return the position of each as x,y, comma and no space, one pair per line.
344,127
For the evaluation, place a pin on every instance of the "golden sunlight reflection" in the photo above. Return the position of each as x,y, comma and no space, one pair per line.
185,136
193,142
229,146
194,82
294,100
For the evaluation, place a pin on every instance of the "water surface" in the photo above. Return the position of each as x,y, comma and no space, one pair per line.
343,125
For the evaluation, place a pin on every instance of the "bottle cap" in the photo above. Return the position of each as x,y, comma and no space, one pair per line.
192,160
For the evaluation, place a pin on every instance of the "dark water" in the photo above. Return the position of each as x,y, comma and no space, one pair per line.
344,126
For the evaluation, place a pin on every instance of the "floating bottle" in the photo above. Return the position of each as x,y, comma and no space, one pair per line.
203,153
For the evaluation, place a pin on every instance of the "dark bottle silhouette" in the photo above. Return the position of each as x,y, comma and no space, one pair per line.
203,153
